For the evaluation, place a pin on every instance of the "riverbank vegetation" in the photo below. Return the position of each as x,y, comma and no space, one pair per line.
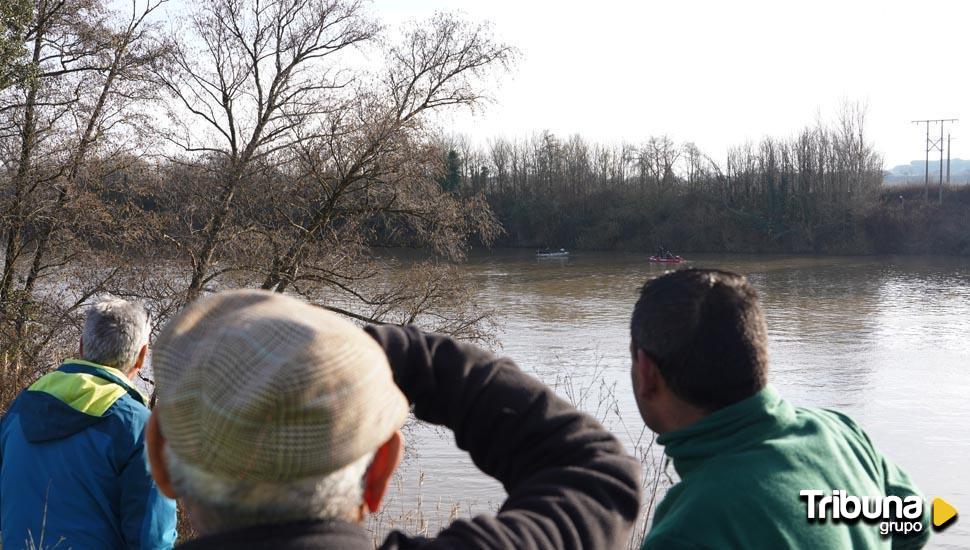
818,192
268,144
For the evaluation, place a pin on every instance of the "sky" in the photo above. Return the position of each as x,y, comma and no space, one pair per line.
720,73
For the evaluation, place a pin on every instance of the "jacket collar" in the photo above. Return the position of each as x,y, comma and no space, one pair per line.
107,373
302,534
110,370
743,424
72,398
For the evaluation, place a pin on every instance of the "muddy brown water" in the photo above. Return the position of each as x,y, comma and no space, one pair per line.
883,339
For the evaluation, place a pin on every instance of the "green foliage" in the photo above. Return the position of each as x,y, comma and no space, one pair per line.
902,222
451,179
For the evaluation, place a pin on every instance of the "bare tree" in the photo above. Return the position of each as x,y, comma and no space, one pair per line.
368,170
263,69
62,125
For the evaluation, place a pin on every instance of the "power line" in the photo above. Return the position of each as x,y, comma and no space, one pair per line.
932,144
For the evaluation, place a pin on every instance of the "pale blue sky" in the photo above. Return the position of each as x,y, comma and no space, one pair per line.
720,72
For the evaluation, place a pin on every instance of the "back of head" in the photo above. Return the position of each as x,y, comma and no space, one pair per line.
270,407
115,330
706,332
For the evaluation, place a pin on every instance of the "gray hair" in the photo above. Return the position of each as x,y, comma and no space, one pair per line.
114,332
232,503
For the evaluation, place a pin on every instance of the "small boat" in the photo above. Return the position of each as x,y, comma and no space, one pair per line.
546,253
673,260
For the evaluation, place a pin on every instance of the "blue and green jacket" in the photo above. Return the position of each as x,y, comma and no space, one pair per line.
73,466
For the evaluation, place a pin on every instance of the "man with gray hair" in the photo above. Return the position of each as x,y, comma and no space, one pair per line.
73,467
278,425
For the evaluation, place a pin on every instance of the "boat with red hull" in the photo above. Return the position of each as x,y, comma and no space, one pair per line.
673,260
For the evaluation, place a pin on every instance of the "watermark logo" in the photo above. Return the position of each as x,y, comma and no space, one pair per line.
943,512
893,514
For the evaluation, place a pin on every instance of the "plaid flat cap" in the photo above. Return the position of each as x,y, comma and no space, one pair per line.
259,386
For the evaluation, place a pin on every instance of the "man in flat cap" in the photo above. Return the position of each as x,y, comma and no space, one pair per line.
277,423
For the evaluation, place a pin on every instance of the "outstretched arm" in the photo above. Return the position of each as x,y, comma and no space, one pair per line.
570,483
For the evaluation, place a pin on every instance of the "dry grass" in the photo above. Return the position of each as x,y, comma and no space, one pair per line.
415,518
597,397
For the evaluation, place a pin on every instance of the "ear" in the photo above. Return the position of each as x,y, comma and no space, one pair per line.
647,380
378,477
156,456
142,353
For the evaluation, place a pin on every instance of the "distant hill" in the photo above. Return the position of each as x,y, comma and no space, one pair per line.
914,172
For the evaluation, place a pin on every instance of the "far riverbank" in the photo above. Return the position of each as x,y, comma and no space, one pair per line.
888,220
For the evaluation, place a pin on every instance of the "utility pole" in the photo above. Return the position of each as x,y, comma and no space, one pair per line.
934,145
947,165
941,163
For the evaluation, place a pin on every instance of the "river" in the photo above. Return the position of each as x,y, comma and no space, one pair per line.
883,339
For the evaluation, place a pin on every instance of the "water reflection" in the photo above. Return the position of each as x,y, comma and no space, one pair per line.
882,339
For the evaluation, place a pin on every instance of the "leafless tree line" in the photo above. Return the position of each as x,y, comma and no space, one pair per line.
804,193
265,143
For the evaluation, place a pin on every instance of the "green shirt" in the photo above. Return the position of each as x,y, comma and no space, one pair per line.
742,469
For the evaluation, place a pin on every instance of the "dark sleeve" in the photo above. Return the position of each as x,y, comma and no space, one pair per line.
570,483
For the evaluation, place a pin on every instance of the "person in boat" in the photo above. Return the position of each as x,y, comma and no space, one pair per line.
664,253
745,456
304,441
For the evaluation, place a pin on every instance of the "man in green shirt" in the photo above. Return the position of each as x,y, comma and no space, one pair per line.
753,468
